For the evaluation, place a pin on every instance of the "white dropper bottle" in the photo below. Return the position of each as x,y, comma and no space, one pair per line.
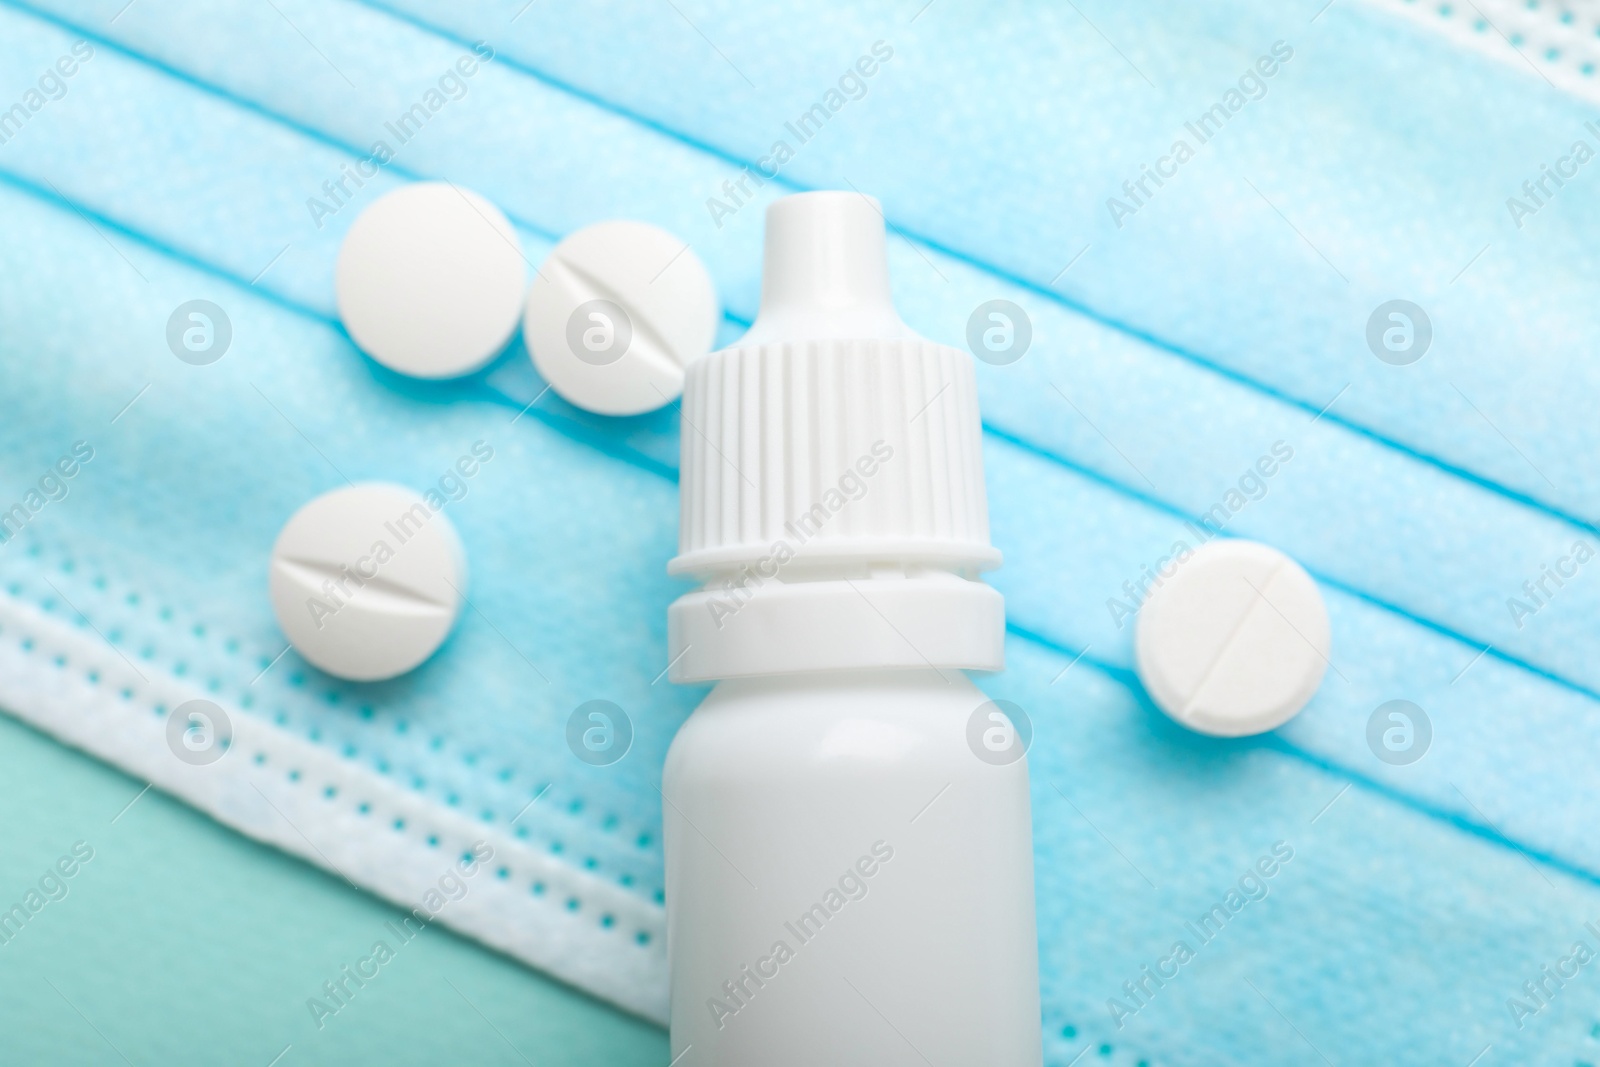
849,866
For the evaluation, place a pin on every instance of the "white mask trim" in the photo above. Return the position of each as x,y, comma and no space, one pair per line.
69,682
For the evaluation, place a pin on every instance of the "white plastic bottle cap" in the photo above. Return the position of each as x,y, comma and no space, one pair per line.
835,443
1235,642
429,280
615,315
366,580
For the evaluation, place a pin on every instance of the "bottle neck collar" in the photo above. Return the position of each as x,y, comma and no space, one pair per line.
933,620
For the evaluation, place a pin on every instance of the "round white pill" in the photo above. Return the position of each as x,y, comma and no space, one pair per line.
366,580
429,280
615,315
1235,642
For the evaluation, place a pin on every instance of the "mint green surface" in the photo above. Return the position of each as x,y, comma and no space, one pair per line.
182,942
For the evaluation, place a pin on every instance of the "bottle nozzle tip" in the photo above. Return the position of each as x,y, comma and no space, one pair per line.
826,271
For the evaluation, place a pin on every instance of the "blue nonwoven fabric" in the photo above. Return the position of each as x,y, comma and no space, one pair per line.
1028,122
1165,361
1482,540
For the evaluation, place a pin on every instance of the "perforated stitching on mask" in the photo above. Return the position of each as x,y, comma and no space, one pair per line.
1063,1042
47,603
282,718
1560,40
573,901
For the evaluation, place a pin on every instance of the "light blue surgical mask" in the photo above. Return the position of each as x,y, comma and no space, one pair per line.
1217,354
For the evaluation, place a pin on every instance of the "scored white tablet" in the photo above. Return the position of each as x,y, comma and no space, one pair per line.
616,313
367,581
1235,641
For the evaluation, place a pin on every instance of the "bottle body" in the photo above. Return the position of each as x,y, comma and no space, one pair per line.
848,843
847,880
